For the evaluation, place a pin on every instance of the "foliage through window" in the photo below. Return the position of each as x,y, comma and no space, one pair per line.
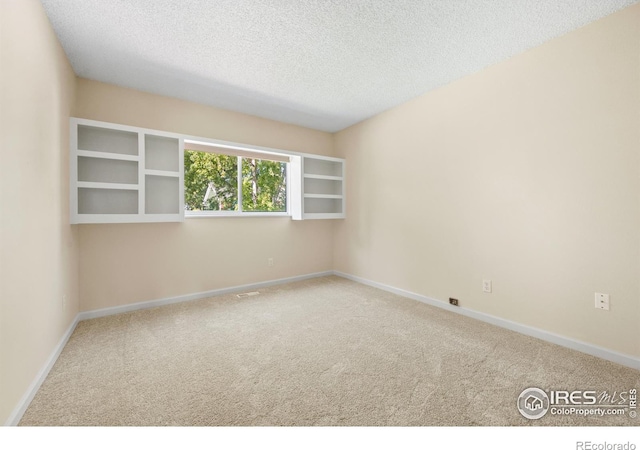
211,183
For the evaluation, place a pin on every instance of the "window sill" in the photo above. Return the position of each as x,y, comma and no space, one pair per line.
209,214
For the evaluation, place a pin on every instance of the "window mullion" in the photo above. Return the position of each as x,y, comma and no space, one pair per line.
239,183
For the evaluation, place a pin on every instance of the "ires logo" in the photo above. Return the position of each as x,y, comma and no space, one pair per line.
534,403
559,398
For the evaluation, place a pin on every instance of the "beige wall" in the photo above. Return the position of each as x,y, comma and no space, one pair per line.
527,173
122,264
38,247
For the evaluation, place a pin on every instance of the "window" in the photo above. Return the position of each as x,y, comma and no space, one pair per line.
264,185
233,182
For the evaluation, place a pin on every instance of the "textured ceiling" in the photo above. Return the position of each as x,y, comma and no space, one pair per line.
324,64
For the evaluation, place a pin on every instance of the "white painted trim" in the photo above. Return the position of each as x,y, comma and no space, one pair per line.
239,180
295,186
198,295
235,150
201,214
73,172
142,178
181,177
590,349
600,352
25,401
344,188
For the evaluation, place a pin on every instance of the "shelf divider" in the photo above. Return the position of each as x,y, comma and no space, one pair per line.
119,186
106,155
161,173
322,196
322,177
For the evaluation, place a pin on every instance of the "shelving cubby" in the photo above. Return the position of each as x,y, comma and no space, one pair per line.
124,174
323,188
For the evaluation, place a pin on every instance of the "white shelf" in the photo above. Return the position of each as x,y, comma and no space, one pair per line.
322,177
103,170
94,200
323,205
316,186
162,173
97,138
120,186
326,167
124,218
161,153
322,196
161,195
104,155
323,188
324,216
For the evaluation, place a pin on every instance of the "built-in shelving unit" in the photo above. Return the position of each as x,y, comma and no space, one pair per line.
125,174
122,174
323,190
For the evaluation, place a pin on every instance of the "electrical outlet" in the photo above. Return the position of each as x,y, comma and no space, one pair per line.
64,302
602,301
486,286
453,301
270,262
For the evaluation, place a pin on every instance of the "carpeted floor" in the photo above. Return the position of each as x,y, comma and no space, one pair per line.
326,351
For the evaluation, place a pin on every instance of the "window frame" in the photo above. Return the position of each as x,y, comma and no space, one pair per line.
237,150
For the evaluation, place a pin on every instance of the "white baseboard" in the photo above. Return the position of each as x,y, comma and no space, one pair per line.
198,295
25,401
22,406
590,349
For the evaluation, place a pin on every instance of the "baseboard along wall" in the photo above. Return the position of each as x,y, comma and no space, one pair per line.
590,349
199,295
23,404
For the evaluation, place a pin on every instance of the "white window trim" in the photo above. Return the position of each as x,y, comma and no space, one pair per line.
209,214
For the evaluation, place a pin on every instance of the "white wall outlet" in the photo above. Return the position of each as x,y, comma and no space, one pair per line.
270,262
602,301
486,286
64,302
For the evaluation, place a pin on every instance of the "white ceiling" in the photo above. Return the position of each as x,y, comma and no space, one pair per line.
323,64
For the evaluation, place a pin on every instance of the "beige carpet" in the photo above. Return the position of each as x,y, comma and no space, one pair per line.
326,351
